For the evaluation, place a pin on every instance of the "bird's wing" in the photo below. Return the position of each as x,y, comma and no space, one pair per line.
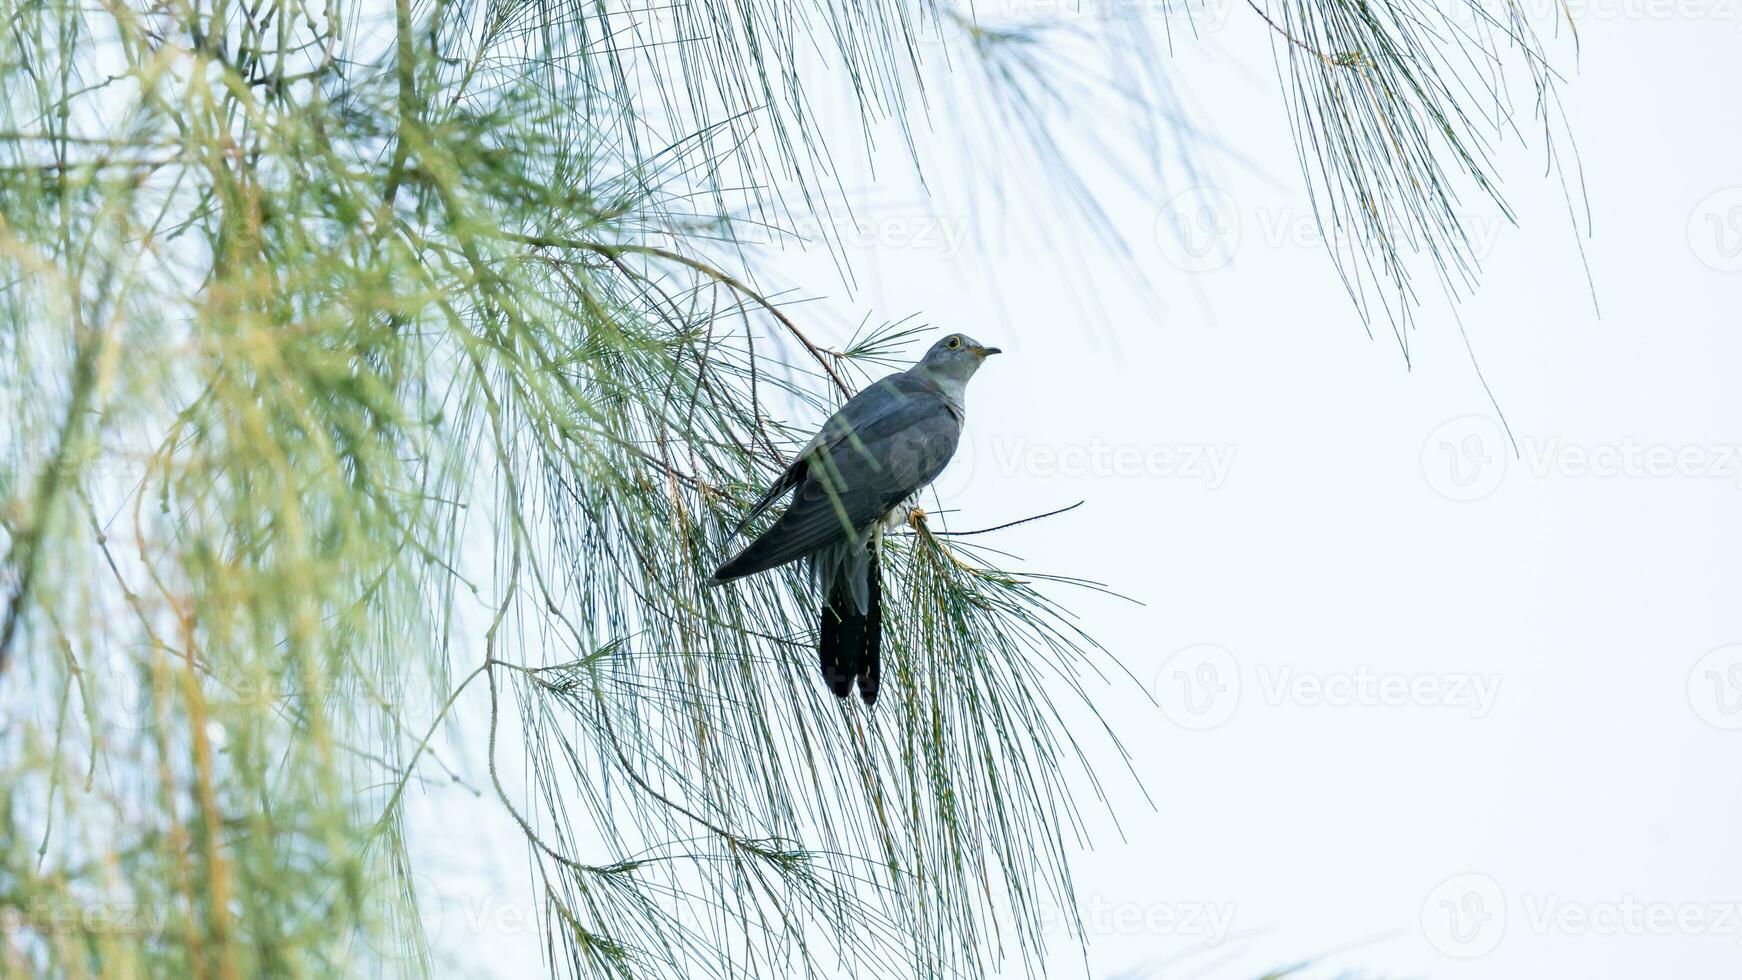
896,445
789,478
872,403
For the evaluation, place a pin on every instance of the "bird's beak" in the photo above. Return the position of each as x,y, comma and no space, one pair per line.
989,351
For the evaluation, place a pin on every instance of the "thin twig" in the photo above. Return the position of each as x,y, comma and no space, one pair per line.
1000,527
821,356
1297,42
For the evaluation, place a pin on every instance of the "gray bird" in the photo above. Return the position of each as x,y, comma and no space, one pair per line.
871,459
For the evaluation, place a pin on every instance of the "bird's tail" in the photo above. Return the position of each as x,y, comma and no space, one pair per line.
851,642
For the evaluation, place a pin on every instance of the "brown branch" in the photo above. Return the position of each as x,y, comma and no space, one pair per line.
726,279
405,70
1297,42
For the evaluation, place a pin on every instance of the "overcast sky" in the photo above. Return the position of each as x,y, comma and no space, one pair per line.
1425,705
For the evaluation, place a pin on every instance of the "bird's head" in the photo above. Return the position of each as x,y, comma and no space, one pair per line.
956,356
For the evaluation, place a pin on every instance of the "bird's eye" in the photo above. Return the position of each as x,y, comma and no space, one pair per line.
953,343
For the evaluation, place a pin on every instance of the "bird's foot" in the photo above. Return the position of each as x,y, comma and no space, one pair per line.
916,518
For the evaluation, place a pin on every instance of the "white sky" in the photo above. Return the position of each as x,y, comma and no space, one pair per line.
1281,494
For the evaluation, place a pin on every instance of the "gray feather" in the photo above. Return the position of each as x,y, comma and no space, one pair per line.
883,447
